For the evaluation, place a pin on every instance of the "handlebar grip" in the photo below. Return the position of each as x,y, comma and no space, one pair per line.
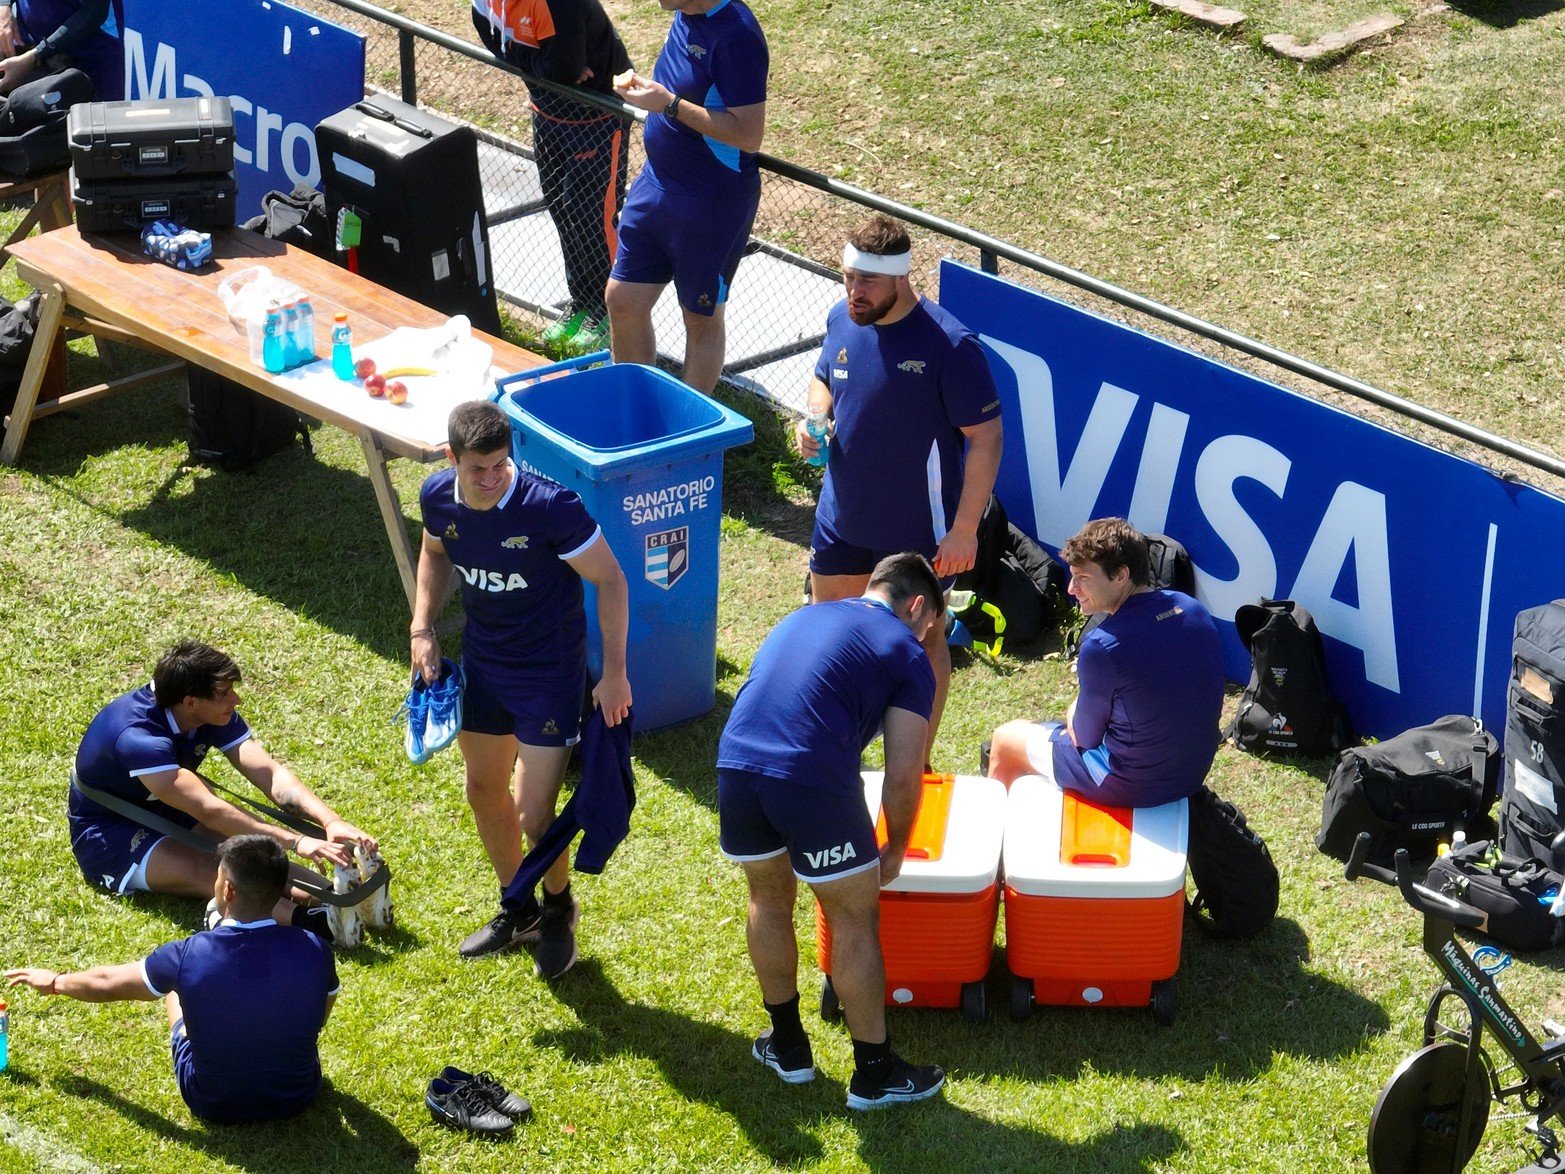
1358,863
1420,897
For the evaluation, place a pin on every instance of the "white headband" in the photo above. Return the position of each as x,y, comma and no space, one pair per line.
891,264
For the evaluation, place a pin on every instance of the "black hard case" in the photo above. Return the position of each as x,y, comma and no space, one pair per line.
151,138
124,205
412,178
1531,815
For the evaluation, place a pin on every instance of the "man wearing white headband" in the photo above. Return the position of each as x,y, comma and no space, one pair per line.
907,389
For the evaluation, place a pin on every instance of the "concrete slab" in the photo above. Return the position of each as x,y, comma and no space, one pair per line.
1287,45
1208,14
785,381
528,265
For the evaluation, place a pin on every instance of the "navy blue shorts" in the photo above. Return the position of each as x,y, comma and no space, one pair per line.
827,834
538,710
696,244
831,554
112,852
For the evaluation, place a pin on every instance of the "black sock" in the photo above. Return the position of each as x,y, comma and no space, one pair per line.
313,919
787,1031
871,1059
563,897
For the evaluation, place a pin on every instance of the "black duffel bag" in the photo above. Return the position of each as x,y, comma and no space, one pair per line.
1515,893
1413,791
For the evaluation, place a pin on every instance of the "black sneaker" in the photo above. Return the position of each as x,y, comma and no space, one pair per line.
556,952
462,1106
796,1065
900,1082
506,929
498,1097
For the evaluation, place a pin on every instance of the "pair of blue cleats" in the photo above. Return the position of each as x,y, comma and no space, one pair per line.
433,712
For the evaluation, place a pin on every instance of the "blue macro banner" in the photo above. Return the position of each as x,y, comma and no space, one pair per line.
1413,561
284,69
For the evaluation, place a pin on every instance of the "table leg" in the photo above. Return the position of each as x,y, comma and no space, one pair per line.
50,308
391,515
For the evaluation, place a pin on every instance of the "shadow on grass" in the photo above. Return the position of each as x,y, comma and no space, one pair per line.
1506,14
713,1065
338,1132
1240,1005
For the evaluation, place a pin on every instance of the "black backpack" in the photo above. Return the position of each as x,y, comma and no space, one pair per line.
297,218
1015,584
1286,708
1236,882
1413,791
33,137
1171,570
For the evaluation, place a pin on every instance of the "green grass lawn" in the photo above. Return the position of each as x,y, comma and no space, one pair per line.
637,1059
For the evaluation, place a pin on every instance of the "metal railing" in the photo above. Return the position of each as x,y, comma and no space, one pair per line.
791,271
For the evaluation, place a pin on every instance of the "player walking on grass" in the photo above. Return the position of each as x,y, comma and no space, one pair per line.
522,546
790,805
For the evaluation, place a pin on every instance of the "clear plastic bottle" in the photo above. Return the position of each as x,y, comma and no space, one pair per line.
818,427
273,350
290,334
304,332
341,346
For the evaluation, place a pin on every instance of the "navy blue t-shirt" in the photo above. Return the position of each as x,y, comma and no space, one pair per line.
523,601
1151,697
818,691
901,395
133,736
718,60
254,999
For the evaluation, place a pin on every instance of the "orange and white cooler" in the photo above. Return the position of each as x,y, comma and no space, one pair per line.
1094,900
937,918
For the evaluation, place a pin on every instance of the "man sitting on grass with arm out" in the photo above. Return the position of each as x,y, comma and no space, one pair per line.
246,1000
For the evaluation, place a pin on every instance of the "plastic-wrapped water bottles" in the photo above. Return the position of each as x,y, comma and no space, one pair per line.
274,355
304,331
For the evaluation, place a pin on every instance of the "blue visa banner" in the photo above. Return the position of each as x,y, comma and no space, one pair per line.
1413,561
284,70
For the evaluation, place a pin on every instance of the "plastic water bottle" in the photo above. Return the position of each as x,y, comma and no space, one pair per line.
341,347
5,1036
817,427
273,354
290,335
304,332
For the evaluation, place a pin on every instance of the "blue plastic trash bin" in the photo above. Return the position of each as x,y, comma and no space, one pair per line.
645,453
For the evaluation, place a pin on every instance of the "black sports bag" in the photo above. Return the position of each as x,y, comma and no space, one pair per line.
1236,882
1413,791
1516,893
1534,809
1286,708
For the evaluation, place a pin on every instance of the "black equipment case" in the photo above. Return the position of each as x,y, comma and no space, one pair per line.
124,205
1530,816
152,139
412,178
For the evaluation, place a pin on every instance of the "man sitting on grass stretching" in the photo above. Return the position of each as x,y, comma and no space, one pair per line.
246,1000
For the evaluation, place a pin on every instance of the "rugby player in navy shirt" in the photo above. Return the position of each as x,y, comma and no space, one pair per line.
916,433
521,546
246,999
790,805
688,216
1144,729
145,748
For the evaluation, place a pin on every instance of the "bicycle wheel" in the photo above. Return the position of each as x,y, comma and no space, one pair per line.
1414,1128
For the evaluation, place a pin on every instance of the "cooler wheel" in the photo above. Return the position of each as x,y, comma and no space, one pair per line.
1164,993
975,1004
831,1007
1021,998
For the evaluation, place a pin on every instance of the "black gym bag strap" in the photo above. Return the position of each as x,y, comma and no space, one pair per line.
308,879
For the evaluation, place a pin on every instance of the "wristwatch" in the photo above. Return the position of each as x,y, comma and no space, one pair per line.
672,109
